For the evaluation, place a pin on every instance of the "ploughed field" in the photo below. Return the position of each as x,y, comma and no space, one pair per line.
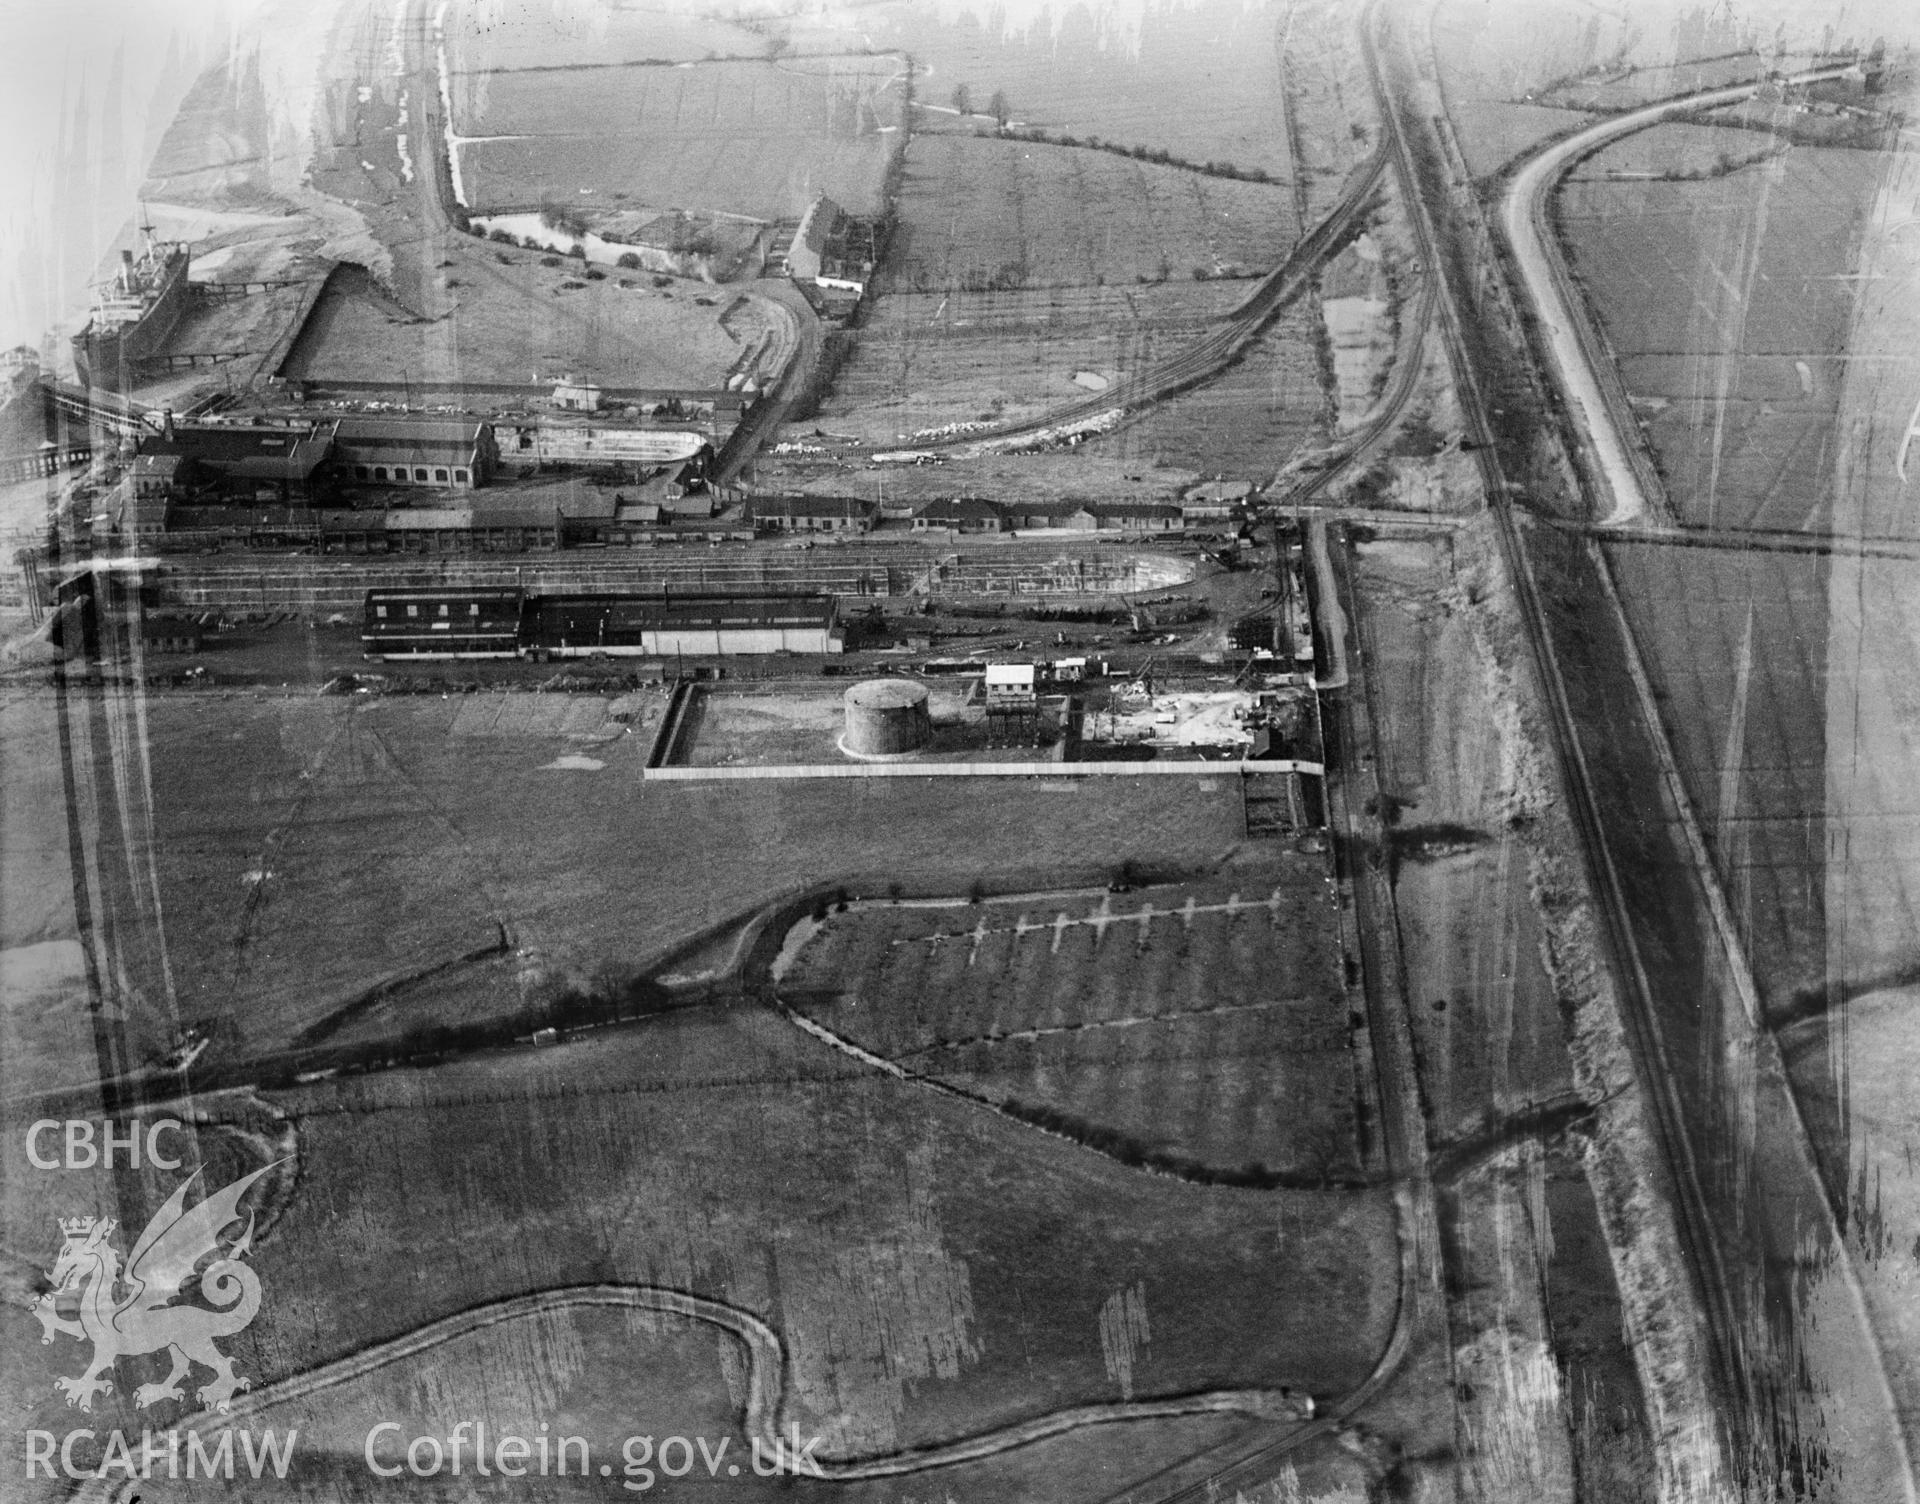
1204,1028
1727,299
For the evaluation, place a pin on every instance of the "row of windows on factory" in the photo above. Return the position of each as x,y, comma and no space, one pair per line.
420,473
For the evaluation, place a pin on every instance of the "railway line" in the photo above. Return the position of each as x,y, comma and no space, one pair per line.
1692,1444
1689,1452
1205,358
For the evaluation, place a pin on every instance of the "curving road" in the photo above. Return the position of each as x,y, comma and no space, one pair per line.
1599,423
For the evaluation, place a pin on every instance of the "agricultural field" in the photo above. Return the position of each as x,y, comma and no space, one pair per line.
511,318
324,860
923,360
1613,89
981,214
756,137
1202,82
1782,681
1492,134
931,1271
1516,74
1727,304
1243,424
1203,1027
484,40
1517,50
1738,644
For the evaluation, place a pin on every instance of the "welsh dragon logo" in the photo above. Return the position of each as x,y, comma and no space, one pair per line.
147,1317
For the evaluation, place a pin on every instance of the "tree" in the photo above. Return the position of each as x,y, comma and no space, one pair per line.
997,107
962,99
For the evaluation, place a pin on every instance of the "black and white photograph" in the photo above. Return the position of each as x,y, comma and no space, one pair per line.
960,751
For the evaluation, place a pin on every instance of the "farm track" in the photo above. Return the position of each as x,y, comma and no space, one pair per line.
1207,357
766,1388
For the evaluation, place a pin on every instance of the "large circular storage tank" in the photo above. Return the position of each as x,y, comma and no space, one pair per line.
886,718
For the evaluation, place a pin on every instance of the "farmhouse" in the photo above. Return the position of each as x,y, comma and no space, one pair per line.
450,454
803,514
831,249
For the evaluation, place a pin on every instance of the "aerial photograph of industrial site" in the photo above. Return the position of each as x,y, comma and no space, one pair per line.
960,751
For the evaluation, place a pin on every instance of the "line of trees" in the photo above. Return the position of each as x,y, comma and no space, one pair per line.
997,105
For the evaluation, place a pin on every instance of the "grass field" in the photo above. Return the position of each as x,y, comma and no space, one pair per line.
1205,1023
759,138
1493,133
499,39
1514,49
982,214
1201,81
1739,643
308,849
1727,304
933,1271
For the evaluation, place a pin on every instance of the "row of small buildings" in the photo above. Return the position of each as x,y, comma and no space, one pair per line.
975,515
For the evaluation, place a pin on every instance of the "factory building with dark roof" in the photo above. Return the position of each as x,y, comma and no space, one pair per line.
691,626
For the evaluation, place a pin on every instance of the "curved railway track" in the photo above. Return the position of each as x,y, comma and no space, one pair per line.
1205,358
